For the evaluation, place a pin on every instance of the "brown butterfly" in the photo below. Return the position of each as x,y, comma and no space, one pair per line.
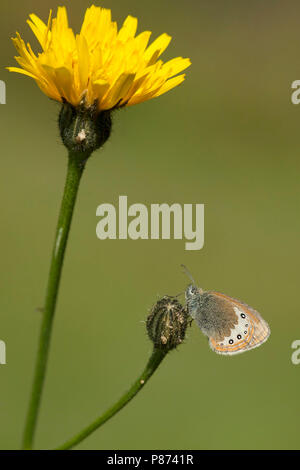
231,326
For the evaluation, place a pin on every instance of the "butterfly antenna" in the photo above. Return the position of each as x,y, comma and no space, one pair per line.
188,273
178,295
175,296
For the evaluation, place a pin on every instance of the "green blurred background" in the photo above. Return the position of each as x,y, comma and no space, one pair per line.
228,137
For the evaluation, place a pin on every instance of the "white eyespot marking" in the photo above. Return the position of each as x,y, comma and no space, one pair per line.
249,331
239,331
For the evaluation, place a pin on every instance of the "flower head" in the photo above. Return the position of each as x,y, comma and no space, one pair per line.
100,64
167,323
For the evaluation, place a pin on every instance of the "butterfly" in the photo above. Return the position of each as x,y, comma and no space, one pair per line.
231,326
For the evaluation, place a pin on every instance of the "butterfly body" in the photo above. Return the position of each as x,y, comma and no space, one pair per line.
231,326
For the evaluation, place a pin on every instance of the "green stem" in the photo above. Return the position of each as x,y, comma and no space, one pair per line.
75,169
154,361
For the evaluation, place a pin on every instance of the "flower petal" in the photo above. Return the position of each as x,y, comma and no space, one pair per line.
128,29
119,90
171,83
157,47
105,66
83,61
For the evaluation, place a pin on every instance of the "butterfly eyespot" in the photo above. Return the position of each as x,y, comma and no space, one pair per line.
246,325
245,332
243,315
230,341
239,336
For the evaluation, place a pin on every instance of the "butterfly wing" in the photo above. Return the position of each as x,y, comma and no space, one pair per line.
250,331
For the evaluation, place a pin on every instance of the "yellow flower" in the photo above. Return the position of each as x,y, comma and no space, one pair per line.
101,64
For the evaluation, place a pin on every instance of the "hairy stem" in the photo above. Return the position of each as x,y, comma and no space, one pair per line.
74,172
153,363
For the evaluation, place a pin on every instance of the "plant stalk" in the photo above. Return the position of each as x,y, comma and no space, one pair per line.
153,363
74,173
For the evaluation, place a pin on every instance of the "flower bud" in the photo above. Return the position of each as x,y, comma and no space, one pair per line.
167,323
83,129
